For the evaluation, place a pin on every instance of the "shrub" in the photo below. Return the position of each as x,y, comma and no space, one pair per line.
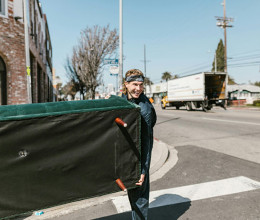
256,103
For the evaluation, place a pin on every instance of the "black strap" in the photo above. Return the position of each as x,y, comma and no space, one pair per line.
130,141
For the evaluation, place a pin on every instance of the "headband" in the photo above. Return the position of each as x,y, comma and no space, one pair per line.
137,78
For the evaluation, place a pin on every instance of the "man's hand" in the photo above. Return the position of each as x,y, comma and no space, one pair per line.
141,180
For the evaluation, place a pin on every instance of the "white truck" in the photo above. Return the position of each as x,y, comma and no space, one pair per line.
200,90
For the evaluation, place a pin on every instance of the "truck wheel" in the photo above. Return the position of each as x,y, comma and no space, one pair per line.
162,105
188,106
209,107
177,107
204,107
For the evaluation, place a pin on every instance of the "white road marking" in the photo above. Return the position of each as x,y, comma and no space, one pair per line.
238,122
171,115
192,192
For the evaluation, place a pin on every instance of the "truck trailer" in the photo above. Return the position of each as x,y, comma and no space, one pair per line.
200,90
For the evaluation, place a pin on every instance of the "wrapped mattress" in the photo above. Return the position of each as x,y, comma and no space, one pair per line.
56,153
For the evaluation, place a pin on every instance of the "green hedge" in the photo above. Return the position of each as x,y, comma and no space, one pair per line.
256,103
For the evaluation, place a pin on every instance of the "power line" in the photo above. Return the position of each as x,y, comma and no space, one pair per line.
192,67
200,69
244,65
245,53
245,58
247,63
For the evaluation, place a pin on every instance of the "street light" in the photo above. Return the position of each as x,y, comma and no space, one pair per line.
120,74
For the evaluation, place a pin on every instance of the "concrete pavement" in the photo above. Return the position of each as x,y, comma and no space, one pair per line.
163,159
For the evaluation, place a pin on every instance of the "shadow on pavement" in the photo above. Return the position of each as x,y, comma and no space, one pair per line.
21,216
163,212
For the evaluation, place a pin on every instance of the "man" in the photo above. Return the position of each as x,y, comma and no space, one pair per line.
133,92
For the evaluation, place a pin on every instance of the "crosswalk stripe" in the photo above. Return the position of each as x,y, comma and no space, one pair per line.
192,192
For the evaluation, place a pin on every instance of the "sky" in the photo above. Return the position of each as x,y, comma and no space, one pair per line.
180,36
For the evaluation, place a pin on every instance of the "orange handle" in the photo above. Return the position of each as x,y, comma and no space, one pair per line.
121,185
120,122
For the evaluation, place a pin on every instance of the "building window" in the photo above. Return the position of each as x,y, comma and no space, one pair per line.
3,96
3,4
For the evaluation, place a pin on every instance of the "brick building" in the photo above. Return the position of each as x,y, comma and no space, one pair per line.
13,77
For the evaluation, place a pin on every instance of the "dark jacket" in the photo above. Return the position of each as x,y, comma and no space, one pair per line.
148,120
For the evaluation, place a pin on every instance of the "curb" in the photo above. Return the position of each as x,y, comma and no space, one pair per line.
160,154
168,162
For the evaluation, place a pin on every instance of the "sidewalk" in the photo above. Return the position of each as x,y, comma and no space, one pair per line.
243,108
102,206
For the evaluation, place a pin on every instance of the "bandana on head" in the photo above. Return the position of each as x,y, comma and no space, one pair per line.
132,78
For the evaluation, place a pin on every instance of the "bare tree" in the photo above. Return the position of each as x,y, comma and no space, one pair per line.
94,46
73,76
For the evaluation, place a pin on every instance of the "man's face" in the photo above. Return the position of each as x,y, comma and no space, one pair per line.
134,89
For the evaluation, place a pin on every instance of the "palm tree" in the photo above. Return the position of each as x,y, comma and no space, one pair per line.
166,76
147,81
175,76
231,81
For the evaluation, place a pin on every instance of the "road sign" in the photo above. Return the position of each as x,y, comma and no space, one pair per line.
114,70
111,61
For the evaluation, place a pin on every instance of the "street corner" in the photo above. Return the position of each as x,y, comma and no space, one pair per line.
164,158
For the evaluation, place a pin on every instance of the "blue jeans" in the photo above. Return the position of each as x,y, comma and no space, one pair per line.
139,200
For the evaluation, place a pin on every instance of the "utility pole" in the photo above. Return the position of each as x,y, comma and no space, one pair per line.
223,22
145,61
120,74
225,34
27,52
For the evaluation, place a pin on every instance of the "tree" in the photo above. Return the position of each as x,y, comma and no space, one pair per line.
257,83
58,87
166,76
69,89
231,80
175,76
147,81
87,59
73,76
220,54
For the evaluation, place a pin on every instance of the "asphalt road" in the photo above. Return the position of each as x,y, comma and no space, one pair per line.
211,146
232,132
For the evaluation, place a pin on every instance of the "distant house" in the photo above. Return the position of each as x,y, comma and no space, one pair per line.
248,92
